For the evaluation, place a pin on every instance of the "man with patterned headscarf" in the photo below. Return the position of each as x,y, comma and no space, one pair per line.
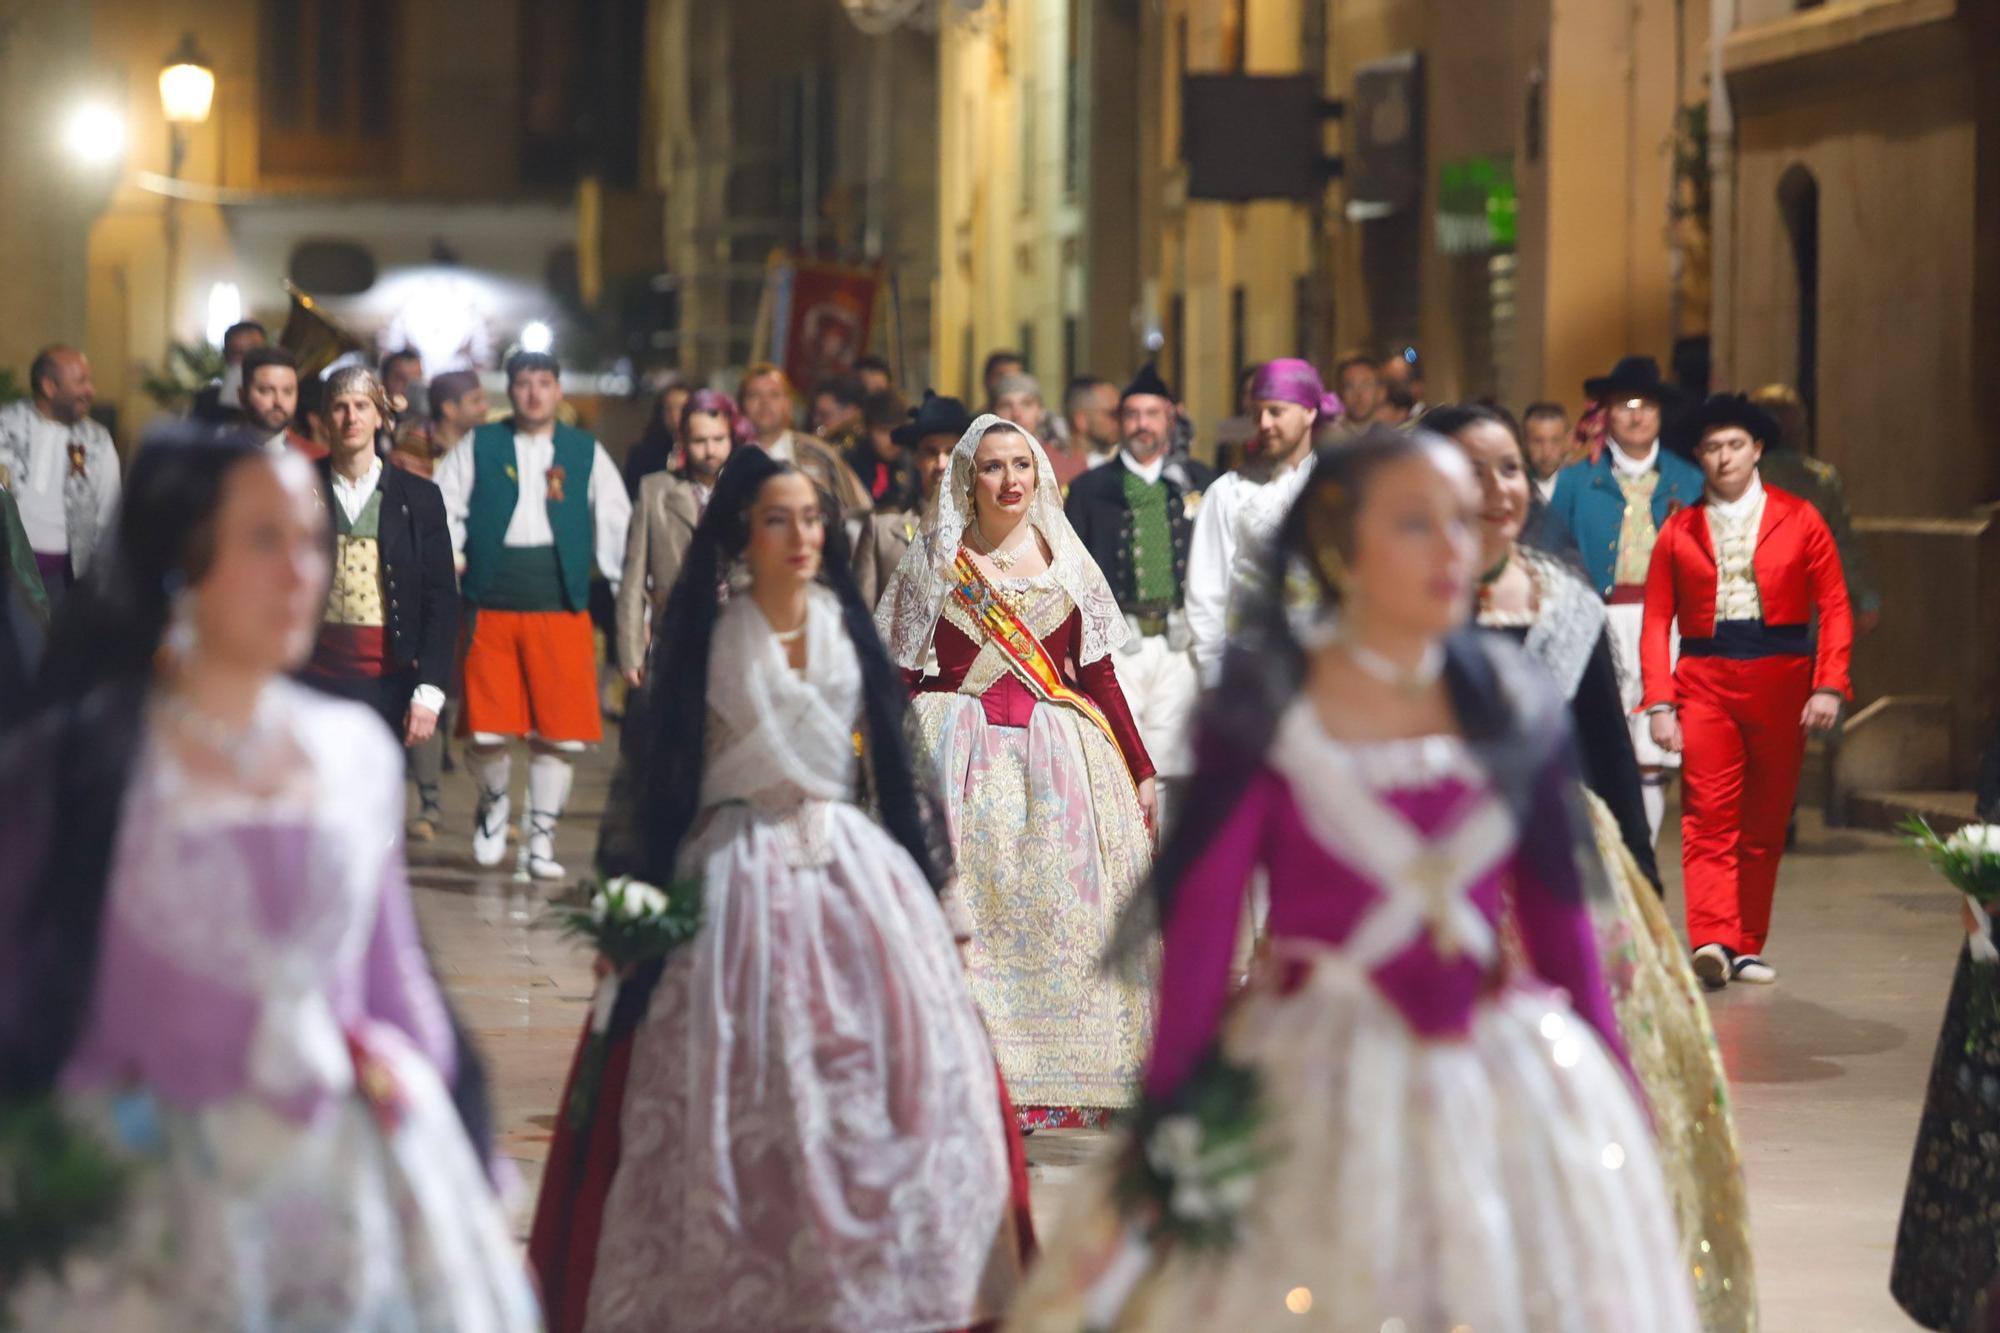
1137,521
391,621
1289,404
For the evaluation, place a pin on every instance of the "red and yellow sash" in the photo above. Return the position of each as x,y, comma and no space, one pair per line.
1018,644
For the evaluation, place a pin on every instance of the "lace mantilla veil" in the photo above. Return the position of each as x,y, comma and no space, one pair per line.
914,598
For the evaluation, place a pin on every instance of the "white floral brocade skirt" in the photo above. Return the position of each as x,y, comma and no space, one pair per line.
239,1218
1504,1183
812,1130
1050,848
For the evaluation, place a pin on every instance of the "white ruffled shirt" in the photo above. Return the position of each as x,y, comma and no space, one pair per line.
1732,531
1630,466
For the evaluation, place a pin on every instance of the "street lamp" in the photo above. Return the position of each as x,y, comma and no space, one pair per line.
187,92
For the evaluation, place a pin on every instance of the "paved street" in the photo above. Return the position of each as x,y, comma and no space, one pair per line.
1828,1066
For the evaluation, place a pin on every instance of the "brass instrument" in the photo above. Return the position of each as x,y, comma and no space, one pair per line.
312,338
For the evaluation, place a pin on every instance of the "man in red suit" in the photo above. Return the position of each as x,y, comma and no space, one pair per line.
1743,570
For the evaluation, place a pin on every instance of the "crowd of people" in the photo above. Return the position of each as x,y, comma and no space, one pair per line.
1296,822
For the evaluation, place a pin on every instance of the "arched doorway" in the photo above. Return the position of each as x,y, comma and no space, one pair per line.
1798,206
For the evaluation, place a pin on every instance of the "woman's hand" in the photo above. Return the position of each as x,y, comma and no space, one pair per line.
1822,711
419,725
1149,803
1665,726
635,676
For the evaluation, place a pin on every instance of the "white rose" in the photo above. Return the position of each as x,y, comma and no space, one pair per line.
1980,838
1192,1202
1175,1147
643,900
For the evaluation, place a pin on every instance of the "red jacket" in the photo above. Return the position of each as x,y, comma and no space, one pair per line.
1798,571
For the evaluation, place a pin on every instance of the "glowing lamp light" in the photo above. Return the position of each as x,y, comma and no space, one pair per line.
95,134
537,337
187,85
225,307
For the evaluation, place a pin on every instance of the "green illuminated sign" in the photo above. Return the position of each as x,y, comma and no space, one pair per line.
1476,205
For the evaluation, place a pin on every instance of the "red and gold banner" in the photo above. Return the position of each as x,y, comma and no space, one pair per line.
818,316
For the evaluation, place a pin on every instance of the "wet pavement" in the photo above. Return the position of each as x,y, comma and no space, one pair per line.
1828,1066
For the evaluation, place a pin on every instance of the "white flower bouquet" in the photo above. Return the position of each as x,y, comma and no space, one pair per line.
1970,861
1189,1171
629,923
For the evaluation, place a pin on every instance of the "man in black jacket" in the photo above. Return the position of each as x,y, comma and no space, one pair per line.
1136,517
392,614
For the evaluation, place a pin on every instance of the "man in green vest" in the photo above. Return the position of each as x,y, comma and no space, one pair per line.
532,504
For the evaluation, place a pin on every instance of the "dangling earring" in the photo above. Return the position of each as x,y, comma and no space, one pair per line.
179,640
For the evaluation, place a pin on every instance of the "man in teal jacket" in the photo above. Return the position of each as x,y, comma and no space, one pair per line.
1612,507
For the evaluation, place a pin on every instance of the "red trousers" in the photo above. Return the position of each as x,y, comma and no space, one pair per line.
1742,750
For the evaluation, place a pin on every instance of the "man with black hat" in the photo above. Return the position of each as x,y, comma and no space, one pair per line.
1612,507
927,440
1137,521
1743,572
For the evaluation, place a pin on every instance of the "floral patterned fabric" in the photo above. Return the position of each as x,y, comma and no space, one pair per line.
1664,1021
812,1136
1050,848
1947,1270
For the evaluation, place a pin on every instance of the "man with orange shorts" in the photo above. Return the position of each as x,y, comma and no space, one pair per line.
532,504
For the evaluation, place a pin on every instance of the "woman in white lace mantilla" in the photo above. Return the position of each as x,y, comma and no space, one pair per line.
813,1135
1004,629
208,955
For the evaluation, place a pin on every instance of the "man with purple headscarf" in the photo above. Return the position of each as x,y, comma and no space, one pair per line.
1290,406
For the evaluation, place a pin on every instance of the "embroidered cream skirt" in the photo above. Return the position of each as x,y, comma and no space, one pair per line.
1664,1020
1050,846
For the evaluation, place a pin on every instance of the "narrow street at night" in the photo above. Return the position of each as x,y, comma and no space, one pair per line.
999,666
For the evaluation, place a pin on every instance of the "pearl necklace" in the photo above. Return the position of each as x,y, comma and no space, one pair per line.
238,746
1004,557
790,635
1410,680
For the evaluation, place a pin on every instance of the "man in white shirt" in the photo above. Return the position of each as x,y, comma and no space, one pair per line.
1288,403
534,505
60,466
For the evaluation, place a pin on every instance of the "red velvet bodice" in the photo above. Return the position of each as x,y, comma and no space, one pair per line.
1008,703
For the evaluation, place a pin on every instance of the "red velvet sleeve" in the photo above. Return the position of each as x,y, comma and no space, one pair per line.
1836,616
1099,681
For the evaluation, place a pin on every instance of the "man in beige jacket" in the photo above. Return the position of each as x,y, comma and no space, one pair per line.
768,405
663,522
